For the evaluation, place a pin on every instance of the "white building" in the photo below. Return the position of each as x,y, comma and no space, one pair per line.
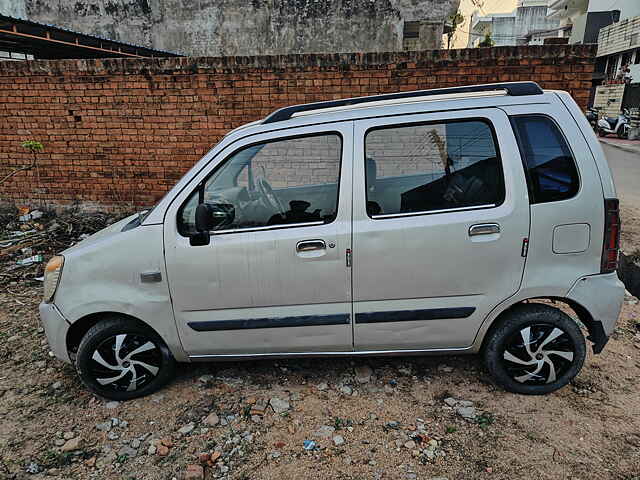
586,17
513,28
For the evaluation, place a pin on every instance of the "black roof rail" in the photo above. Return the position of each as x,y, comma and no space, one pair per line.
515,89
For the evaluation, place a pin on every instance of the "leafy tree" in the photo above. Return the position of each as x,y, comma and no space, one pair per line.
34,147
456,19
487,42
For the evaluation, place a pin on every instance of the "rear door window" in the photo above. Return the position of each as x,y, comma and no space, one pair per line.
549,164
428,168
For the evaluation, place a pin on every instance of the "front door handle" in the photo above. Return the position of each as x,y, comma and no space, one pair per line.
310,246
484,229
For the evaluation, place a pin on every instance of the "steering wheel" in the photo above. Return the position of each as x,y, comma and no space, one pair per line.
268,195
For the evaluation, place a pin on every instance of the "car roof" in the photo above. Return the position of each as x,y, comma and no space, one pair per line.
402,103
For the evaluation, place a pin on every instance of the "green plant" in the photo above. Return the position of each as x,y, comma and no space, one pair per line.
56,459
33,146
485,420
487,41
451,429
340,423
454,20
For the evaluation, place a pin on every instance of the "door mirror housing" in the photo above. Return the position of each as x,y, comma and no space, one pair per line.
213,216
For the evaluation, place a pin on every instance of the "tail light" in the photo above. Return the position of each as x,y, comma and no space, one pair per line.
611,242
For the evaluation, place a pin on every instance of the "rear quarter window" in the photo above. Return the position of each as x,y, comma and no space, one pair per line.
550,167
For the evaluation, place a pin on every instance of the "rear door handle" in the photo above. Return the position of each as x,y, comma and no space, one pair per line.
484,229
310,246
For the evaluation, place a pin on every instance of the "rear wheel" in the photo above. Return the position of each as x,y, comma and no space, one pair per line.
536,349
622,132
121,359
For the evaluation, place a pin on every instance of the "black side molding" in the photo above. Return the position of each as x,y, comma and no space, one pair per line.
413,315
276,322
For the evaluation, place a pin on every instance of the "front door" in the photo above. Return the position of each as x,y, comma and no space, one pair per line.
440,215
274,277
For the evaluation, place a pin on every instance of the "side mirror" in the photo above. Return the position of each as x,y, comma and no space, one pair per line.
211,216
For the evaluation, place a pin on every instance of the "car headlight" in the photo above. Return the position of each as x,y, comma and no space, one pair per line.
52,273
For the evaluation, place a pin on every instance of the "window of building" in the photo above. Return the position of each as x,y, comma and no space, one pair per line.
280,182
551,169
429,167
411,35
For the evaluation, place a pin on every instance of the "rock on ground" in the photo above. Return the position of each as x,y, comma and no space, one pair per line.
72,445
279,405
363,374
324,431
211,420
194,472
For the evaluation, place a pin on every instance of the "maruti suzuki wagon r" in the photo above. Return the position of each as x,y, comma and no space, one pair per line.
425,222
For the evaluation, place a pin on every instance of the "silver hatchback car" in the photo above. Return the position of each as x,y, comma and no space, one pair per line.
409,223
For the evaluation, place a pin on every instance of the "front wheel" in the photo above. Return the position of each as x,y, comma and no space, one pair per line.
121,359
601,132
536,349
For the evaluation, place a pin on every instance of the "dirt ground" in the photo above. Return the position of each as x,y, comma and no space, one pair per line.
391,422
630,233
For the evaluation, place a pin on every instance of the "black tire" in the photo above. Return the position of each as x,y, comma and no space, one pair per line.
106,340
621,133
601,133
538,372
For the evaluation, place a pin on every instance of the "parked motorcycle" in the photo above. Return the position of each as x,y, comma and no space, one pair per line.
592,115
618,125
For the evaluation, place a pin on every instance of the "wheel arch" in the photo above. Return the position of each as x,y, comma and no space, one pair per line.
593,327
80,327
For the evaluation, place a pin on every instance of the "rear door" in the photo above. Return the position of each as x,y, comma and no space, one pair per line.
441,213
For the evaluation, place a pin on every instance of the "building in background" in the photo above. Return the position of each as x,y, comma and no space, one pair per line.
609,24
557,35
241,27
618,64
583,19
515,27
469,8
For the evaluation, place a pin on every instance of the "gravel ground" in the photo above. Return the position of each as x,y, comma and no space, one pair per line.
376,418
401,418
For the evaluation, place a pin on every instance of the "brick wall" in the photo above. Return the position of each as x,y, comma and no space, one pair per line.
121,131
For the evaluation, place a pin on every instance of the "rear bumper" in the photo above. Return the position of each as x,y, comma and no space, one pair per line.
601,296
56,328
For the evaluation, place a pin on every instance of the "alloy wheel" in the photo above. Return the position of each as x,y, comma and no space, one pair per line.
125,362
538,354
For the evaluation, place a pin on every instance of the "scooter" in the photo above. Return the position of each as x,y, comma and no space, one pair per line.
618,125
592,117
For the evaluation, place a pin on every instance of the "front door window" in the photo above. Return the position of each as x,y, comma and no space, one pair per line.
283,182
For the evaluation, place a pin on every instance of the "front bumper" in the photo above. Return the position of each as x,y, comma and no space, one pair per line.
56,328
602,297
